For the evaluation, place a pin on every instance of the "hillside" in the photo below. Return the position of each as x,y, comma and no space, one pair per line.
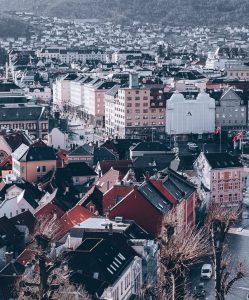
172,12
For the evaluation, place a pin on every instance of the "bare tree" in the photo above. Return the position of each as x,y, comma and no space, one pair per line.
46,279
219,221
180,248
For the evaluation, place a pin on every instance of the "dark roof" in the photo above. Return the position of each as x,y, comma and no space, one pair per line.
80,151
8,230
161,161
150,146
186,162
8,86
154,197
36,152
178,186
25,219
223,160
103,153
121,146
16,138
103,255
95,196
21,112
79,169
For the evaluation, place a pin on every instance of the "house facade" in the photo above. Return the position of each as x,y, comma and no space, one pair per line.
222,175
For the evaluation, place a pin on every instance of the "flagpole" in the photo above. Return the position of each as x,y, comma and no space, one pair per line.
220,139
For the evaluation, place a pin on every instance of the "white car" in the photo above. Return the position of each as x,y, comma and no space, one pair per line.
206,271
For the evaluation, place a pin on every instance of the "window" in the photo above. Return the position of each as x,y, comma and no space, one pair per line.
129,98
38,169
121,287
221,187
23,210
230,186
137,92
137,104
235,197
44,168
129,104
22,169
145,111
137,111
92,209
221,198
145,98
145,104
230,197
137,98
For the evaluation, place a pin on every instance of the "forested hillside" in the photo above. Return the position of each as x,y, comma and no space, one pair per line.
175,12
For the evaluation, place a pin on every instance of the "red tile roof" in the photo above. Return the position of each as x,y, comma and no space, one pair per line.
73,217
47,210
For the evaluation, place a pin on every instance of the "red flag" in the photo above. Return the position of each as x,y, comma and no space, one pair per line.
217,131
238,136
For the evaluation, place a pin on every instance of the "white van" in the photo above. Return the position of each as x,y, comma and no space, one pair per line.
206,271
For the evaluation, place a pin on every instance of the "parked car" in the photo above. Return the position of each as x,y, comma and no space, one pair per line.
206,271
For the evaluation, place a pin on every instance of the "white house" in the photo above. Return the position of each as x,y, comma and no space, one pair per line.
11,207
58,139
194,115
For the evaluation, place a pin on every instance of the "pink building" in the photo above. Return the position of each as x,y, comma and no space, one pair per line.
94,96
33,162
221,174
137,113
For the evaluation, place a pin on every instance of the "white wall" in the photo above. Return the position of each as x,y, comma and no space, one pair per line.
185,116
58,139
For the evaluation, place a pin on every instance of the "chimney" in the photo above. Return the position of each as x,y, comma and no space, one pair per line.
110,229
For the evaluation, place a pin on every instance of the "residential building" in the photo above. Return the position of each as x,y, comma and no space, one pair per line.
94,104
71,55
10,141
30,117
122,55
62,90
33,162
222,175
231,110
135,116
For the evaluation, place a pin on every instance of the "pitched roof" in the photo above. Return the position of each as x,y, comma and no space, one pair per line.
106,165
79,169
16,138
35,152
80,151
178,186
152,195
150,146
103,153
102,255
25,219
223,160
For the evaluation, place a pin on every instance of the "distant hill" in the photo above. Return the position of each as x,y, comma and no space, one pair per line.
172,12
13,28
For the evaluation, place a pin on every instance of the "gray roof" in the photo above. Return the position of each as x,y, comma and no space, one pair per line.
21,112
113,91
154,197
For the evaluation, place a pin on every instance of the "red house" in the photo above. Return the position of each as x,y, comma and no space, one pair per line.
145,205
148,203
